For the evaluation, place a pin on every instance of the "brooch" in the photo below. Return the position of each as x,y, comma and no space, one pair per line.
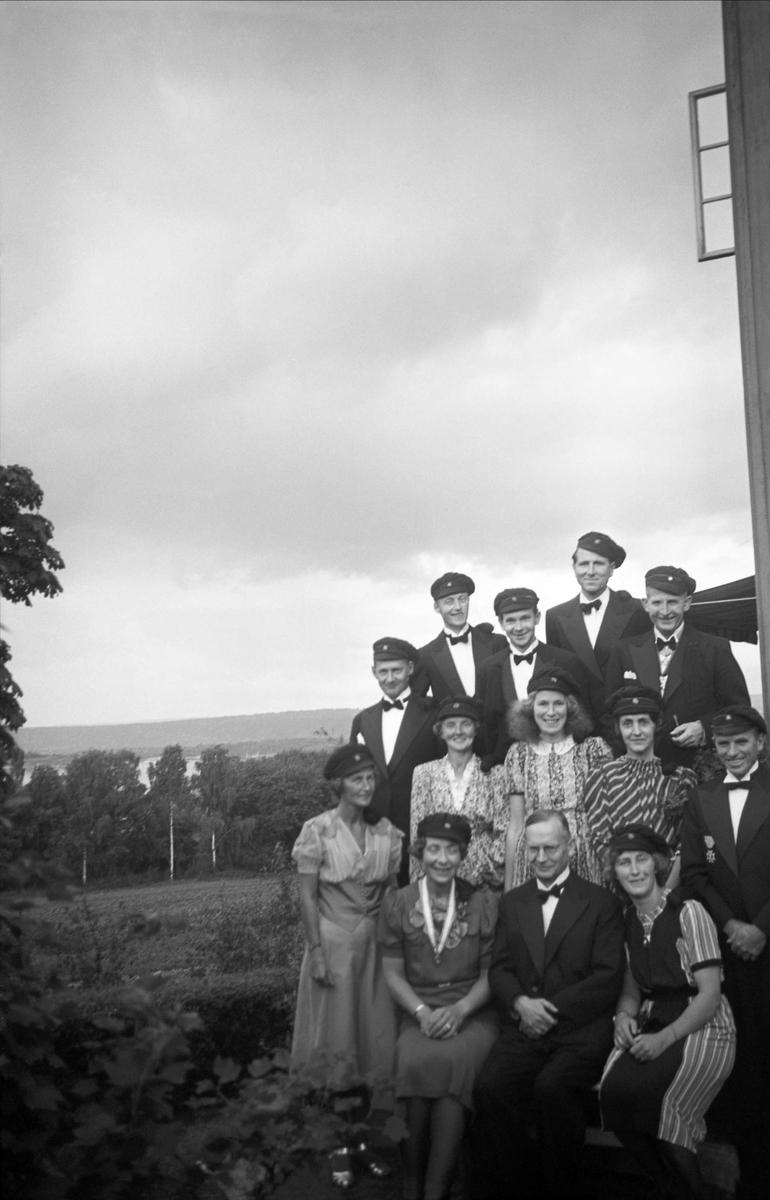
711,856
629,674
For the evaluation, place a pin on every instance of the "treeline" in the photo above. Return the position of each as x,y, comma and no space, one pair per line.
100,821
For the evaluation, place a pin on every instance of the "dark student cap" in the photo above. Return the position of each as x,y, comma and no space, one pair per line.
738,718
634,698
639,837
450,826
390,648
553,679
515,600
601,543
459,706
673,580
452,583
346,760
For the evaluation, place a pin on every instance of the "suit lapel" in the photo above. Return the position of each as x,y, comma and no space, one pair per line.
371,728
529,911
716,810
569,908
676,666
756,811
411,724
506,679
575,628
445,665
647,664
614,622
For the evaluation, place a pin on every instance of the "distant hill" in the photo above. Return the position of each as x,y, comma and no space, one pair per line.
256,733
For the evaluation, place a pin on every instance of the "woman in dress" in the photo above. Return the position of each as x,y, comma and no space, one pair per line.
674,1031
547,767
345,1025
436,937
634,789
455,783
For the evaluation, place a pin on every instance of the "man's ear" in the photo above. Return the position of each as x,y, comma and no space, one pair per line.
537,617
646,605
687,602
411,669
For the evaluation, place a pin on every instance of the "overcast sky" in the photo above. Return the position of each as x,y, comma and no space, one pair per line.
306,303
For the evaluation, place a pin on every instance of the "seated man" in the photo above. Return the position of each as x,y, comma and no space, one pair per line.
449,665
398,733
726,859
695,673
557,970
505,676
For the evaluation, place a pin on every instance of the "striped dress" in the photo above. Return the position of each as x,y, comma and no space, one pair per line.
668,1097
629,790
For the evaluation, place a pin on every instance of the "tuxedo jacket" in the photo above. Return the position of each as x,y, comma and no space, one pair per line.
703,677
497,691
416,743
731,880
436,670
578,965
624,617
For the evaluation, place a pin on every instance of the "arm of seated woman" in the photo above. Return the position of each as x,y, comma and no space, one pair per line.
626,1028
447,1021
404,994
512,835
647,1046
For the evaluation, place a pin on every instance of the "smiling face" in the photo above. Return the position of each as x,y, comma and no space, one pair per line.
358,788
550,713
393,676
453,610
638,733
519,627
592,571
665,611
548,847
441,859
739,751
635,871
458,733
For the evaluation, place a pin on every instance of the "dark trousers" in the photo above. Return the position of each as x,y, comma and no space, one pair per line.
545,1082
747,987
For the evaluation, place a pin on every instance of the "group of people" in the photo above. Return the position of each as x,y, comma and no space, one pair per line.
463,899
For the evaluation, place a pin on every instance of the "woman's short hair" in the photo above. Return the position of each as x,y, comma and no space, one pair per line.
523,727
417,848
437,727
610,856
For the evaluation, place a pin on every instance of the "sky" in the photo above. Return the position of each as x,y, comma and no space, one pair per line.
304,304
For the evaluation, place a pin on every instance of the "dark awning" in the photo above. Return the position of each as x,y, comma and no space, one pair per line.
729,611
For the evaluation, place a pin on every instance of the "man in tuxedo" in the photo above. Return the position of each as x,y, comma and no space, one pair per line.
449,665
695,673
557,970
726,860
595,620
504,676
398,733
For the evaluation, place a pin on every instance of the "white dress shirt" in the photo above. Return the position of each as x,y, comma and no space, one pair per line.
593,619
524,671
391,723
738,798
666,654
462,655
549,908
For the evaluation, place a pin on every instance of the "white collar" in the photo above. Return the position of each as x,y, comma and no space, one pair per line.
529,650
546,887
676,635
730,778
602,598
405,695
452,633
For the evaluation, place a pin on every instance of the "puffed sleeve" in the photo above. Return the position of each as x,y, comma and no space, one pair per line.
396,840
679,784
487,926
514,767
498,806
700,936
595,803
308,849
597,752
420,803
389,931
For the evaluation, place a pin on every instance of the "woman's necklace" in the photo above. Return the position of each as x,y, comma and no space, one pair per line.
427,913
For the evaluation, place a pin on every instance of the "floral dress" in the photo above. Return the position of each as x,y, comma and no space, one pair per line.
554,775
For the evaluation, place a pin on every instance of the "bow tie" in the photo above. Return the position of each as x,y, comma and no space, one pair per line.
544,894
387,705
740,784
527,658
462,637
592,604
665,643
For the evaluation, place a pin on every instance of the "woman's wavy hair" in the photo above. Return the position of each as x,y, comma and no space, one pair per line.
523,727
417,848
659,723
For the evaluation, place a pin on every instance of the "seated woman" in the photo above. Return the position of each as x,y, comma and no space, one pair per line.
674,1031
547,767
455,783
436,938
633,789
345,1021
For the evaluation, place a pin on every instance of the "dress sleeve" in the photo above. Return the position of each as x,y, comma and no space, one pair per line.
498,807
308,852
396,840
421,796
597,752
594,800
514,768
389,932
487,926
700,936
680,783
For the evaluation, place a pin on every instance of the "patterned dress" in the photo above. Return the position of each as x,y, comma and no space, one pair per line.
668,1097
633,790
554,775
436,1067
349,1030
481,799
